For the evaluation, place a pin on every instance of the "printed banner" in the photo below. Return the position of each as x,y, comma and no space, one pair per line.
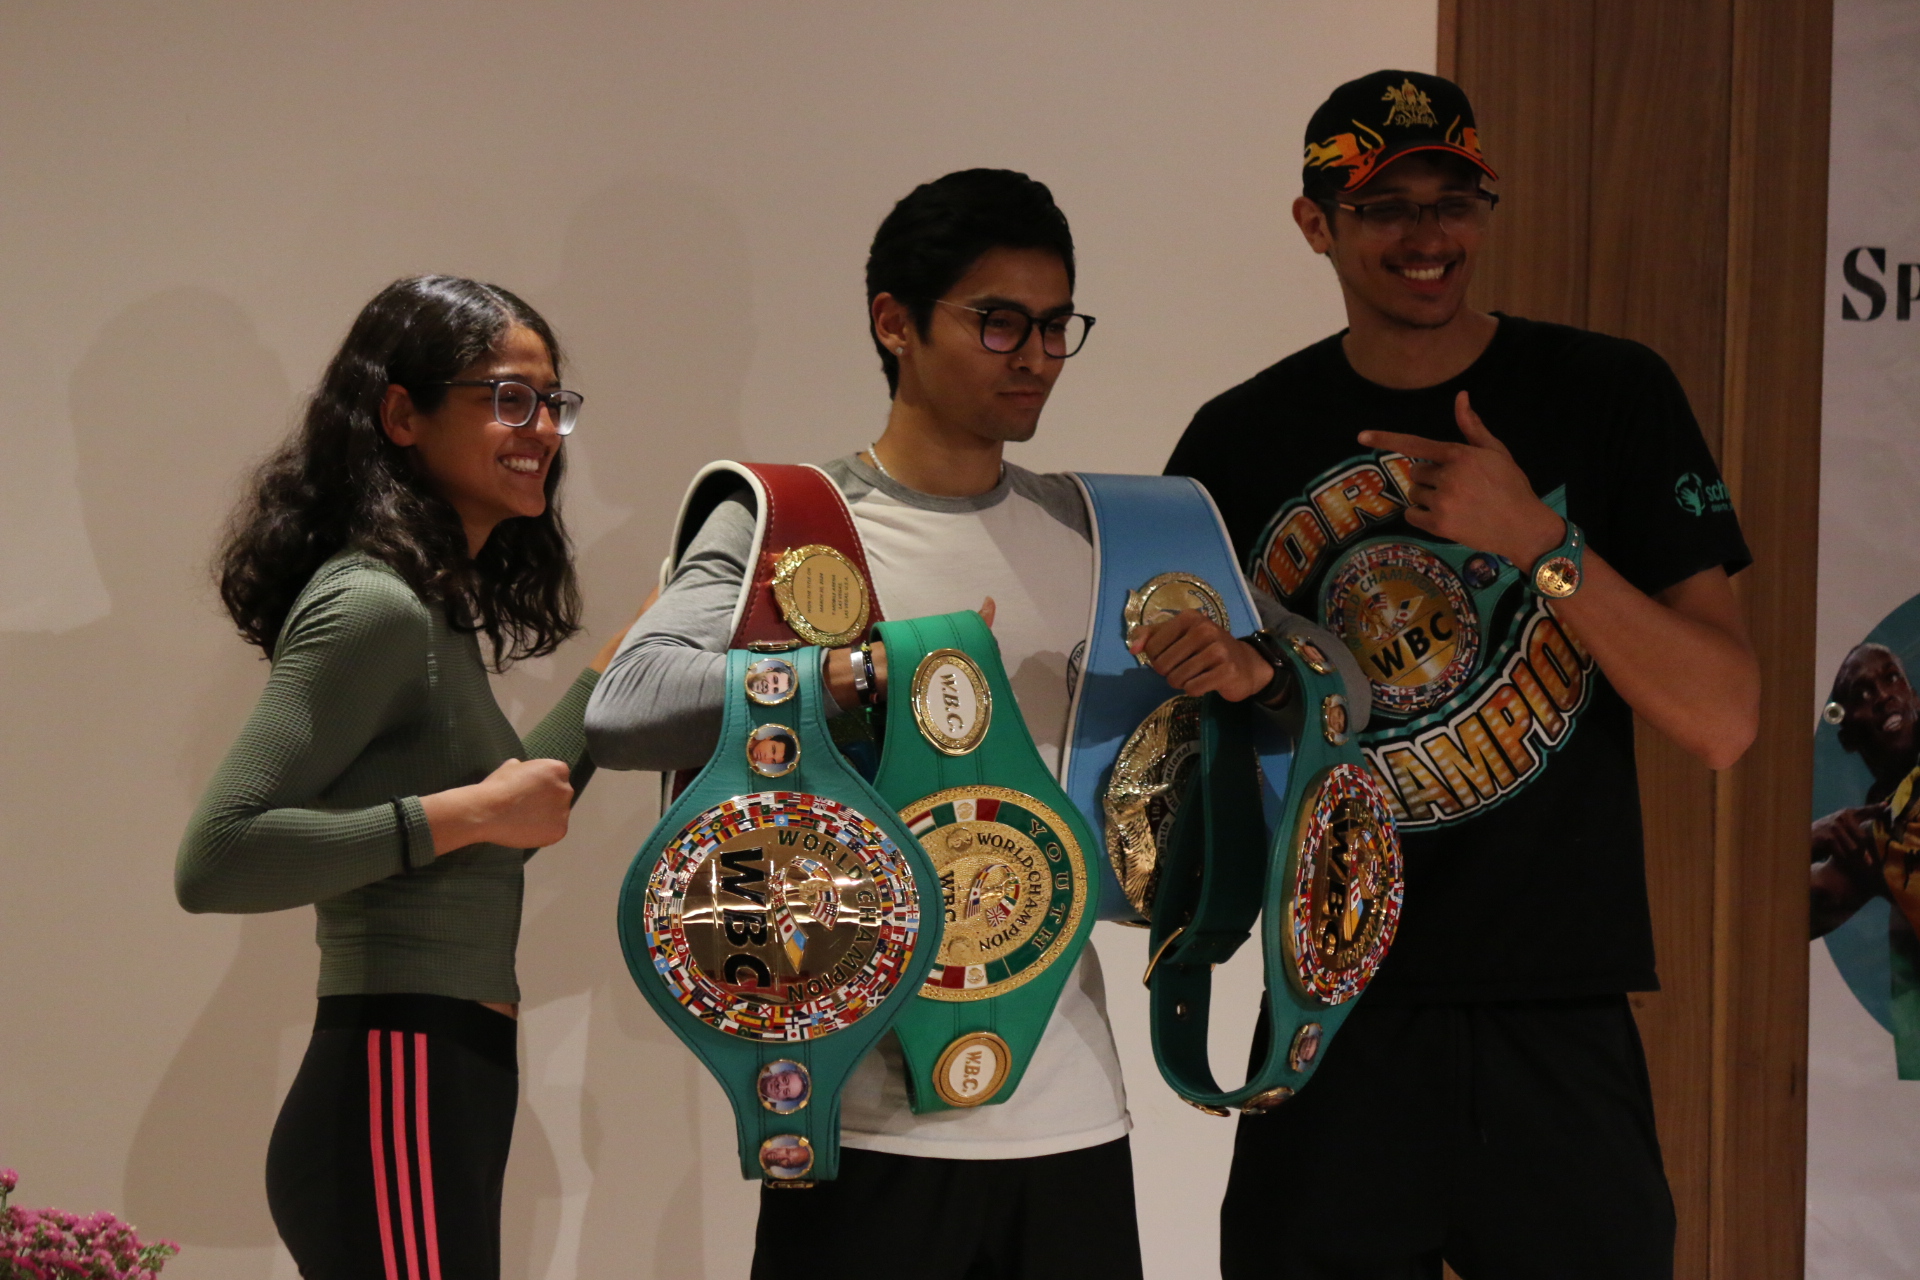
1863,1094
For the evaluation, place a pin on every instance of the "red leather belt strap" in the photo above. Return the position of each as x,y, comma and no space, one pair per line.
803,508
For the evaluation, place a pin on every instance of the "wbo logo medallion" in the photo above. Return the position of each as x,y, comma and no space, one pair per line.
781,916
1015,884
1409,620
951,702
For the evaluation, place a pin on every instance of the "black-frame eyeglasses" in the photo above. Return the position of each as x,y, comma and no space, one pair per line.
1396,218
1004,330
516,404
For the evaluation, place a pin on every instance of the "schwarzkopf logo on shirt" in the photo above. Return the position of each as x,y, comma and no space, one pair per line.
1696,497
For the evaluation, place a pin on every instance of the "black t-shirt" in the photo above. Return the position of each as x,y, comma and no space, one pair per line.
1508,755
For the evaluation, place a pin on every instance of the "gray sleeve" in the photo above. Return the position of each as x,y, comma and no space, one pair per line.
1055,493
658,705
1276,618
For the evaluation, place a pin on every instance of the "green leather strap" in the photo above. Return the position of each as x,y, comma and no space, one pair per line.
1327,887
1010,849
777,923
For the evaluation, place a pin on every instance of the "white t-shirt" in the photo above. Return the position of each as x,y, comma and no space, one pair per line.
1025,544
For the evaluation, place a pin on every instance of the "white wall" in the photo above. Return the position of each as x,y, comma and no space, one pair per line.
195,198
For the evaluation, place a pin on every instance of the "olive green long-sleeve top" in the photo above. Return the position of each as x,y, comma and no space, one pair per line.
374,701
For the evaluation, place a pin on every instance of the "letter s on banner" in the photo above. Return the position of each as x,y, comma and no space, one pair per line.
1873,290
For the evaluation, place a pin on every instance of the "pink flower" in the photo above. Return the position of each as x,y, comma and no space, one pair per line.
51,1244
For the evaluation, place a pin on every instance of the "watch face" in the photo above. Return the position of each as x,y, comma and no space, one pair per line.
781,916
1015,883
1558,577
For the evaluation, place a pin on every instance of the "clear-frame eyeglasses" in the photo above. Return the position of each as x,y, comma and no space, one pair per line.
515,403
1397,219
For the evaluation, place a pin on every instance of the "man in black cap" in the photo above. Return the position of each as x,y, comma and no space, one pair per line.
1519,531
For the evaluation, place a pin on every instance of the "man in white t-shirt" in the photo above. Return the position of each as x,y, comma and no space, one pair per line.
970,290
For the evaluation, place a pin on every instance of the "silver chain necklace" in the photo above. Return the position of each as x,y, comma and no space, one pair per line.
873,451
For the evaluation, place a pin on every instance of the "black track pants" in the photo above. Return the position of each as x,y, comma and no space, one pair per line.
389,1155
1061,1217
1514,1140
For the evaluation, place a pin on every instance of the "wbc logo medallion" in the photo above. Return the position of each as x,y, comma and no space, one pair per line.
1409,620
781,916
1014,882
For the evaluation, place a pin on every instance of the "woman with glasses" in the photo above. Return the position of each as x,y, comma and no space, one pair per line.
411,514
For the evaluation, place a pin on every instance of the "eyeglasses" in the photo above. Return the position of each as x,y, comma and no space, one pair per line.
515,403
1394,219
1004,330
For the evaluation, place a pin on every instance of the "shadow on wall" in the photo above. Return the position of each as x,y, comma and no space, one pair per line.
654,301
169,403
127,716
172,403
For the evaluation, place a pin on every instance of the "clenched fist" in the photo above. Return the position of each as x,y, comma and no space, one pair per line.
524,804
1197,655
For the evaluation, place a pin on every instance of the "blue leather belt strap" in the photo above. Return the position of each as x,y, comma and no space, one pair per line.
1143,526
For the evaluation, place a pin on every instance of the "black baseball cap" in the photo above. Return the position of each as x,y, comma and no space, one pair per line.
1368,123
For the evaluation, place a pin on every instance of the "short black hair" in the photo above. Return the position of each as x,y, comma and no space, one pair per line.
935,235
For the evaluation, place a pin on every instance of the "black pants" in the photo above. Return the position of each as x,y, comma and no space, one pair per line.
1061,1217
391,1149
1512,1140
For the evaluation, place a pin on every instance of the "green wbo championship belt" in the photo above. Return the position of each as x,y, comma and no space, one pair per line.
1330,880
774,917
1010,851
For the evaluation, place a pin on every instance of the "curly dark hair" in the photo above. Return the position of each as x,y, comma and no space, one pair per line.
339,481
941,228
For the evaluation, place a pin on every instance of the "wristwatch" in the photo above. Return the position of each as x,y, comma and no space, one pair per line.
1556,574
1277,690
860,660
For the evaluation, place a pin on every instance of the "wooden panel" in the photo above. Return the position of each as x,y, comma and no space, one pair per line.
1659,194
1658,276
1781,65
1528,68
1641,201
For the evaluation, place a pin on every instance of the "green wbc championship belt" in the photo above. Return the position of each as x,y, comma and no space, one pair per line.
774,917
1330,881
1010,851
